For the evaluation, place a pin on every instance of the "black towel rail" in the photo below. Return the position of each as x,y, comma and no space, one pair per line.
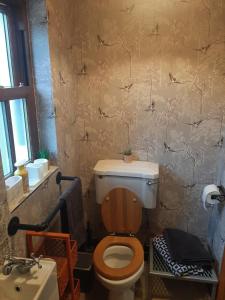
15,225
60,177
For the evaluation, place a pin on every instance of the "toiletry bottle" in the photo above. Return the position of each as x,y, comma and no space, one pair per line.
21,171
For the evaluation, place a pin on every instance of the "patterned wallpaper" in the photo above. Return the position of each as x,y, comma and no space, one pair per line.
33,210
4,213
42,75
144,73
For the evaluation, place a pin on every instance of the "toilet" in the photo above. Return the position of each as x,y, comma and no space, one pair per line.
122,190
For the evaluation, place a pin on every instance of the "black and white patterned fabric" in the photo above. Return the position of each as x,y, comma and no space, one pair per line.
176,269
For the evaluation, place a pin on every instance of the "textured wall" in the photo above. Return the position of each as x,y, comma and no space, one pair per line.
216,237
146,73
4,213
38,22
34,210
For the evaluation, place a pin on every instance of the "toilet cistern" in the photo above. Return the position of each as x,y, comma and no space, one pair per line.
140,177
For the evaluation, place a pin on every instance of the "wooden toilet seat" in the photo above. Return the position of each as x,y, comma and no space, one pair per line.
118,273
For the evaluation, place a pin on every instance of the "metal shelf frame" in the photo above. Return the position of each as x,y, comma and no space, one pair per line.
159,268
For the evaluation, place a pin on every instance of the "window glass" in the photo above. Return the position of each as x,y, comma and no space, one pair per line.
4,142
20,129
6,78
15,138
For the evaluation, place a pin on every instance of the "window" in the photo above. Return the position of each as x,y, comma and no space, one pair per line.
18,126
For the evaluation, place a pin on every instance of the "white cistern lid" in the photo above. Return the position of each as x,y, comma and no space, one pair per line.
140,169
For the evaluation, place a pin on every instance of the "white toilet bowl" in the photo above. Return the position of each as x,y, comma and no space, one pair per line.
121,289
118,259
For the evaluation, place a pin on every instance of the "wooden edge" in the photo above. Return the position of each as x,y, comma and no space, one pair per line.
54,235
15,93
221,285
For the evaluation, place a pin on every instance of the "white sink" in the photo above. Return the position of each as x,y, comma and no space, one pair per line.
14,189
38,284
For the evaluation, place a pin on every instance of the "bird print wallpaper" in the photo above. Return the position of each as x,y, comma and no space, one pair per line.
144,74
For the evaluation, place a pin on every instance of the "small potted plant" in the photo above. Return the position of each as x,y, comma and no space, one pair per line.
127,155
44,154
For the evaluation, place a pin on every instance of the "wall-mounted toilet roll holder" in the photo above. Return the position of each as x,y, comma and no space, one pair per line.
221,197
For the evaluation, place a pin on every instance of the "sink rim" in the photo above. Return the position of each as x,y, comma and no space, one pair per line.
28,279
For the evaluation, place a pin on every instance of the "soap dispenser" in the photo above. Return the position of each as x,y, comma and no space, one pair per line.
21,171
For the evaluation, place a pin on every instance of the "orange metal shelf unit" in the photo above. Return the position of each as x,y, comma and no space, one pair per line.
63,250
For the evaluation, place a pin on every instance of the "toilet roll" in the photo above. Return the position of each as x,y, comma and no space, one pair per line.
208,191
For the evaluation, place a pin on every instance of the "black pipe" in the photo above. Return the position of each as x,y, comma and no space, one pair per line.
15,225
60,177
55,211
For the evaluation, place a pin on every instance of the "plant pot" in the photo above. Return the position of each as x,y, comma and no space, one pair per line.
128,158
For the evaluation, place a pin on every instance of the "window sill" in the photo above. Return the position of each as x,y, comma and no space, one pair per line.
17,202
